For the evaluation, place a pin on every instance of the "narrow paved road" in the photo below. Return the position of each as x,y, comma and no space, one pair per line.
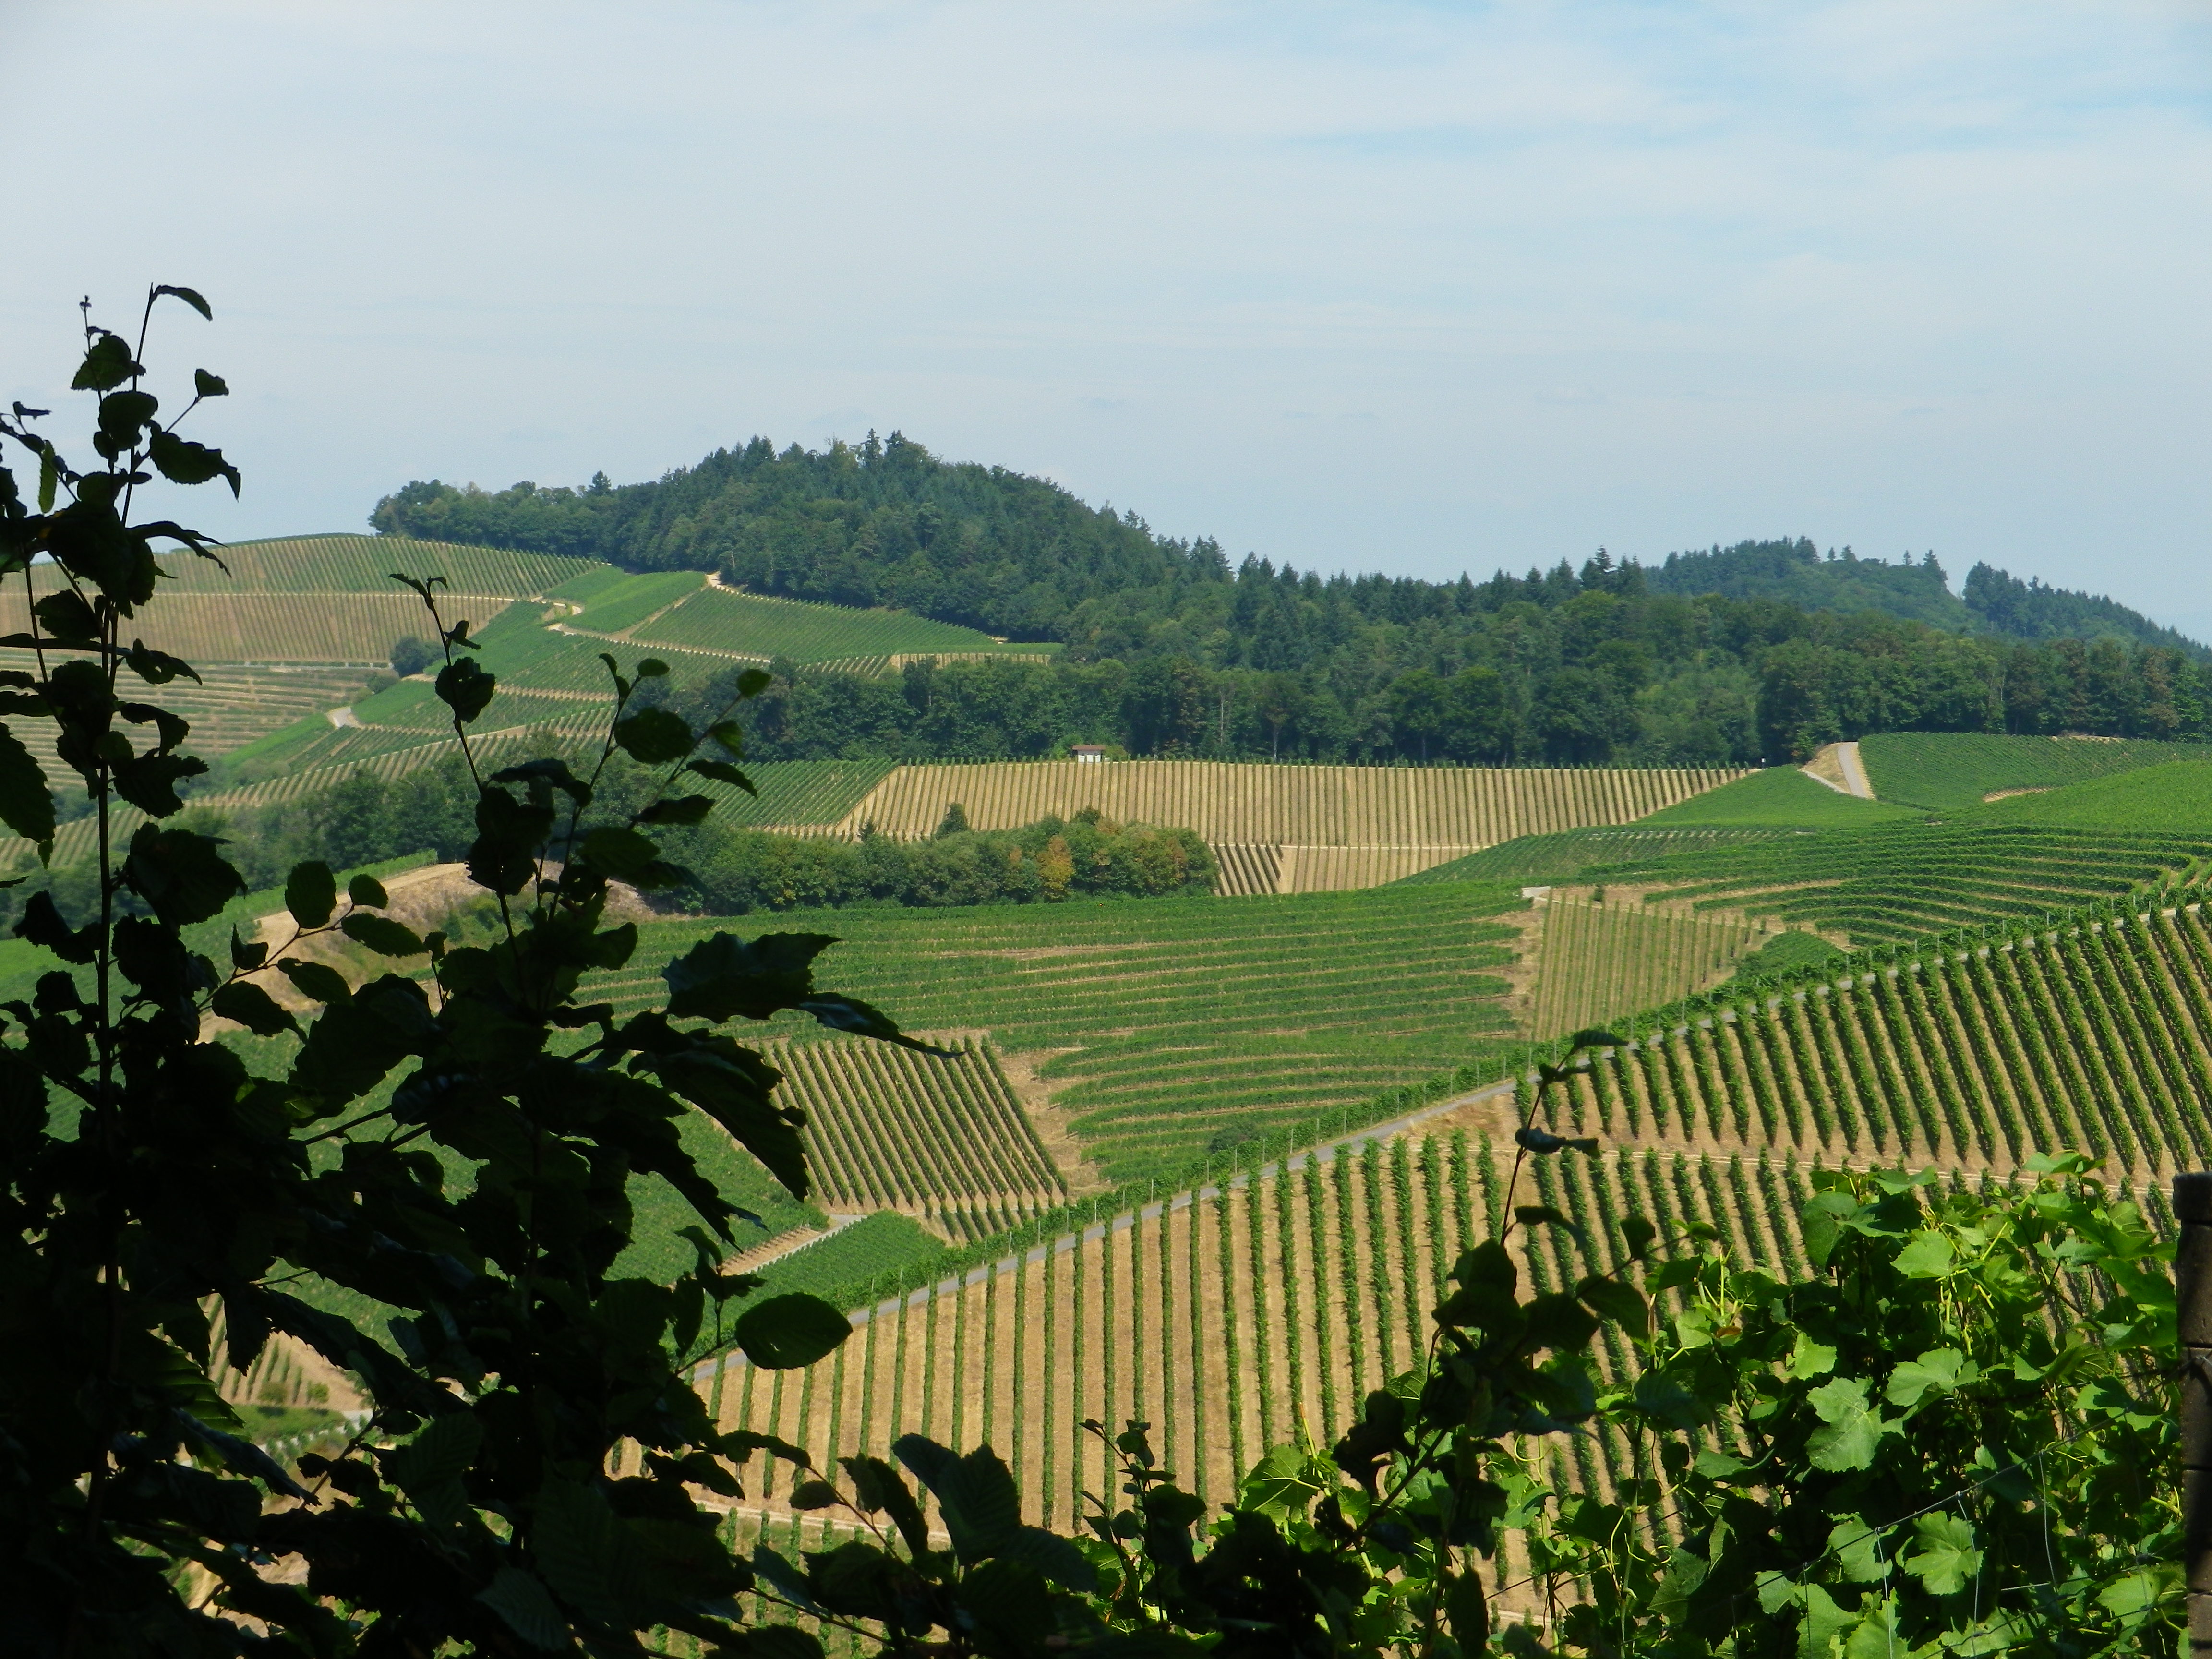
1854,777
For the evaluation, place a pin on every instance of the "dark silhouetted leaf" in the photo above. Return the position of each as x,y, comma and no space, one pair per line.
787,1332
653,737
189,297
25,805
253,1008
311,893
465,689
183,875
382,935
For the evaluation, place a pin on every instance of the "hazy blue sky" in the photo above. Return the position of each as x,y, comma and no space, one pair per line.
1414,288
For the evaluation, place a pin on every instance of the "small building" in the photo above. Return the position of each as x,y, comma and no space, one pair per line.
1088,751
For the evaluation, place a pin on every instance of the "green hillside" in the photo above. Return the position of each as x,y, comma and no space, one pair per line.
1781,797
1719,657
546,655
1167,1026
2174,798
1562,856
1945,770
1900,880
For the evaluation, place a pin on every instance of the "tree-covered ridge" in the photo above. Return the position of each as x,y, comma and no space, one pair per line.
1172,650
1795,572
1992,601
887,522
2029,610
884,524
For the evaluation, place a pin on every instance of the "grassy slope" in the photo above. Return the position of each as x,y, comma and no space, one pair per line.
1782,797
2175,798
1946,770
1558,857
885,1242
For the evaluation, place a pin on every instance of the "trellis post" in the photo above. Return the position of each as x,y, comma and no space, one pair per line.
2192,1272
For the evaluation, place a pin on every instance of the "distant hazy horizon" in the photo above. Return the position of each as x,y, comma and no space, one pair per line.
1417,289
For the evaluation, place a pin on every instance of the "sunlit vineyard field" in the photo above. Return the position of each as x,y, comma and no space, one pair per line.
1239,1313
1286,828
356,565
1250,1313
1898,881
338,756
945,1140
1595,962
291,630
1164,1024
2095,1034
278,628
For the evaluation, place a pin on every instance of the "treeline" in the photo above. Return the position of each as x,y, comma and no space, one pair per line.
365,820
1653,681
739,871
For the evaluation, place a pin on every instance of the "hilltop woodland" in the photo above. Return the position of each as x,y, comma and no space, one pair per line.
1759,652
1940,1430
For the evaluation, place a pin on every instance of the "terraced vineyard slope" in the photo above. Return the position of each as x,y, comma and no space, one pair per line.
1243,1316
2094,1035
715,618
946,1140
1595,962
1163,1026
286,635
1236,1313
1900,881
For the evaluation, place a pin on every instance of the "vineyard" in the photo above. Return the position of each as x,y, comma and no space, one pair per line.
1259,1309
796,795
1597,962
1287,829
1943,771
1563,856
356,565
1781,797
332,756
1900,881
279,628
947,1140
1166,1026
1235,1315
294,628
2094,1034
2172,798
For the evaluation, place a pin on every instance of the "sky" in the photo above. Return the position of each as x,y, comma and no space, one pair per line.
1411,288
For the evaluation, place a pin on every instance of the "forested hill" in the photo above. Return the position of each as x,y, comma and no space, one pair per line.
2029,610
1992,601
1170,650
887,522
1795,572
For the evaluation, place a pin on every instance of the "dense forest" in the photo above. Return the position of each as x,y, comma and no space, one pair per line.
1758,651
